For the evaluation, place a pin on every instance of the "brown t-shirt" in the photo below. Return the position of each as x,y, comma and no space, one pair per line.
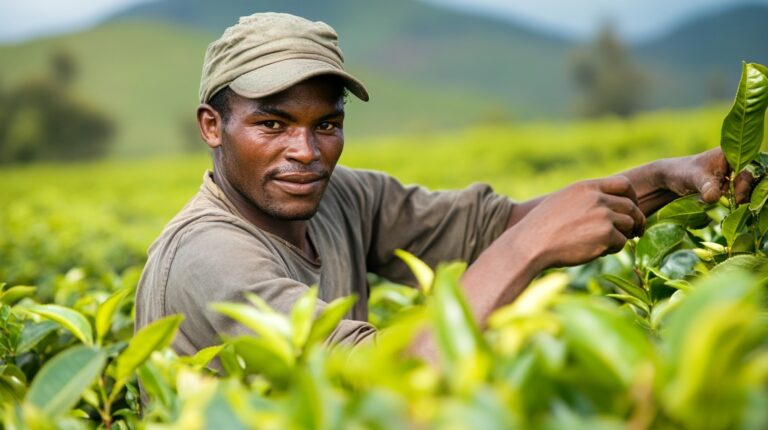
210,253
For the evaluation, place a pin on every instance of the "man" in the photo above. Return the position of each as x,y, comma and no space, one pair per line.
277,215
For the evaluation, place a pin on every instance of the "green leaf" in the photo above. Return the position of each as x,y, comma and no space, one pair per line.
14,294
462,348
631,300
759,196
537,297
13,383
260,357
301,316
756,265
680,284
679,264
690,211
657,242
762,221
734,222
329,318
606,342
742,131
153,337
154,384
106,312
424,275
70,319
274,328
707,341
203,356
59,384
628,287
33,333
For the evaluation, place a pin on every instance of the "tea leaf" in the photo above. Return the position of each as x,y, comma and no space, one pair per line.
272,326
759,195
424,275
70,319
32,334
14,294
734,222
657,241
690,211
301,316
106,312
628,287
59,384
329,318
149,339
462,348
742,131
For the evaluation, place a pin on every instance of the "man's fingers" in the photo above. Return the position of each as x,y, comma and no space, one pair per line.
616,242
625,206
710,188
618,185
625,224
742,186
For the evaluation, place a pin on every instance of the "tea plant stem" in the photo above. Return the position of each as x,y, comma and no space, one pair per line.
106,412
731,193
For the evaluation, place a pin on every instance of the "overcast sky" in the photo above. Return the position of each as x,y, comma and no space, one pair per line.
636,19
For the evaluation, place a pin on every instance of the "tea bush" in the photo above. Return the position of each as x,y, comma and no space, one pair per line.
671,333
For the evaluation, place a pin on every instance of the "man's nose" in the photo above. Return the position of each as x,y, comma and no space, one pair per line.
303,146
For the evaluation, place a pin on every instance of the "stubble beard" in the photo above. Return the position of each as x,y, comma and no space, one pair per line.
267,205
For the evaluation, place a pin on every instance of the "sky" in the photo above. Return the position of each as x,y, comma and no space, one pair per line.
636,20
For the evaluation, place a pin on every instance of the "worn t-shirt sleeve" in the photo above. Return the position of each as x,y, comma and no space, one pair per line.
436,226
220,262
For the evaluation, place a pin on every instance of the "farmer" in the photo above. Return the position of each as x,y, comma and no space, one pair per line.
277,214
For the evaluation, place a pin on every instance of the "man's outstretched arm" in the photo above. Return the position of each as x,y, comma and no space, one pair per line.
581,222
659,182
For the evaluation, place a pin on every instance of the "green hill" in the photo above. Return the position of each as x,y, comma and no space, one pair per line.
701,59
427,68
146,75
417,42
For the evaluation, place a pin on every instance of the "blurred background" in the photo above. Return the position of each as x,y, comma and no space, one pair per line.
120,77
99,146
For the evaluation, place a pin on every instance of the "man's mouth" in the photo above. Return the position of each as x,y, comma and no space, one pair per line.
299,183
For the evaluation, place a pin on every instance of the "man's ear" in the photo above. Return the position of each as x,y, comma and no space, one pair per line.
211,125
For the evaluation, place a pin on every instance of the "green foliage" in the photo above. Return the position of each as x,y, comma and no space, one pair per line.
743,128
669,334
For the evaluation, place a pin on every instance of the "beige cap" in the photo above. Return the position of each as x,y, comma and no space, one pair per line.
266,53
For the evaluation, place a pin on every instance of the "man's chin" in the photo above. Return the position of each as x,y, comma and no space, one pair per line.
292,214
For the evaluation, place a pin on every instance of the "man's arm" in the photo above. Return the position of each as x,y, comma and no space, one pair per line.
659,182
581,222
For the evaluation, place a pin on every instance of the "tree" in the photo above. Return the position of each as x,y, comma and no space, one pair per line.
42,119
609,81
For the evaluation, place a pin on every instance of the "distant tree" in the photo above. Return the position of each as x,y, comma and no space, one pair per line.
608,80
63,67
42,119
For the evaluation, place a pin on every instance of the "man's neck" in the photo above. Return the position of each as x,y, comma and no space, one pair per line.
294,232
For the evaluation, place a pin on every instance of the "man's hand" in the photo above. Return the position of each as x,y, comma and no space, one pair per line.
581,222
705,173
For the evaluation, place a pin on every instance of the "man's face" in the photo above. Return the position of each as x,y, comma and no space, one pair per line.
278,152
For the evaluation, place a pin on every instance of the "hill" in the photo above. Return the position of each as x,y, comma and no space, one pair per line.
701,59
408,40
427,68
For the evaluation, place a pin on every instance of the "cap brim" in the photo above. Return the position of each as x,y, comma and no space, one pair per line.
276,77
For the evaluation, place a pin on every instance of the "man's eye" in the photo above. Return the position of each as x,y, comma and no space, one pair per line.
326,126
272,125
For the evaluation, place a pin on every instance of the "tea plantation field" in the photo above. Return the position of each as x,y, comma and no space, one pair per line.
672,333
